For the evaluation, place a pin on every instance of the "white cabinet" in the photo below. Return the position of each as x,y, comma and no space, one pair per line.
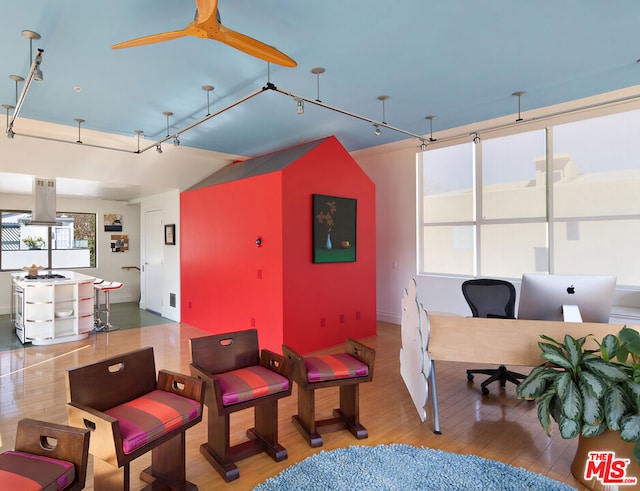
48,312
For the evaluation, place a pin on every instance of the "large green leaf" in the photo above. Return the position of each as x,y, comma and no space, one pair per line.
605,369
544,405
630,338
630,428
574,350
570,399
569,428
536,382
593,430
593,383
616,402
592,411
609,347
555,355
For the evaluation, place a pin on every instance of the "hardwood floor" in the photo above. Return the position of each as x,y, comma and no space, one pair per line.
498,426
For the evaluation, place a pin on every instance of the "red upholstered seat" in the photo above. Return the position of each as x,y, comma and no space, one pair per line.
146,418
334,367
249,383
26,472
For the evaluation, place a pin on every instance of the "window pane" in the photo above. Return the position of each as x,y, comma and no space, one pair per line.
597,166
599,247
508,250
448,249
514,176
448,184
72,242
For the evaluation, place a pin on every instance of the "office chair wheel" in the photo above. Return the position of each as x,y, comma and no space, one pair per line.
485,391
469,377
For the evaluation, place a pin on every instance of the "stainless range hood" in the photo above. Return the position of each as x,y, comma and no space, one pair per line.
44,203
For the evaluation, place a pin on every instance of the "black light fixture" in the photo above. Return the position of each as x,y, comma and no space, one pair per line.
138,133
168,114
431,118
476,138
519,95
317,71
423,145
159,148
79,121
377,131
299,105
176,141
383,98
207,89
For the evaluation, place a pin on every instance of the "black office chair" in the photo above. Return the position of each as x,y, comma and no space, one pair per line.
494,299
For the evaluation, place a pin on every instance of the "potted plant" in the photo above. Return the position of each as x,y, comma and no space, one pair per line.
589,392
34,242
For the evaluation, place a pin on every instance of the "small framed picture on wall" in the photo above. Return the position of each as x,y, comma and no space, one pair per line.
170,234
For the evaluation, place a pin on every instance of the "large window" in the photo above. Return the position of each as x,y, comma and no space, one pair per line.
70,244
563,199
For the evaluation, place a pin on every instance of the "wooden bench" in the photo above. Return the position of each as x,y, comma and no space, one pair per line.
238,376
344,370
46,456
129,414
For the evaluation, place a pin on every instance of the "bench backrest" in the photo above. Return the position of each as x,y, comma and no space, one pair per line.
221,353
113,381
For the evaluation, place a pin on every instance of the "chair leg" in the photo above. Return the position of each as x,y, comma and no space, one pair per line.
265,432
107,477
305,420
350,410
217,450
168,465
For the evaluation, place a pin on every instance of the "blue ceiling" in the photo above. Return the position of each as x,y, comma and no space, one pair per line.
459,60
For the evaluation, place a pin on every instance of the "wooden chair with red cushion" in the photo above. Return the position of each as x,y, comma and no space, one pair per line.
344,370
238,376
130,413
46,456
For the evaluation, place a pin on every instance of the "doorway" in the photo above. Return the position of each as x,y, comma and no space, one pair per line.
153,255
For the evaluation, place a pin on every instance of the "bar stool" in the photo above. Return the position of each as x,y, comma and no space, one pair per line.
105,287
97,322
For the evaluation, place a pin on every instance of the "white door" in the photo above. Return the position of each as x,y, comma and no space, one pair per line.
153,253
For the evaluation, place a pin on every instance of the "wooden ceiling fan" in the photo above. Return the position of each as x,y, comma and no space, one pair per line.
207,25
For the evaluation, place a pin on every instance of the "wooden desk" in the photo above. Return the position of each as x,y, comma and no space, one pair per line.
497,342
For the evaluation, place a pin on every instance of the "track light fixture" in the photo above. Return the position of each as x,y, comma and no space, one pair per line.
79,121
431,118
299,105
176,141
159,148
377,131
168,114
519,95
138,133
476,138
383,98
207,89
317,71
423,145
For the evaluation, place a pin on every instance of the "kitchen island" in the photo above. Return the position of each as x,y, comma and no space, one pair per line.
52,307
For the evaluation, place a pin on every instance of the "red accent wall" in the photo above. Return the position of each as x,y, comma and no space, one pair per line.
228,283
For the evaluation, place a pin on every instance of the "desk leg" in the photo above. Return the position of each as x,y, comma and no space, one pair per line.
434,399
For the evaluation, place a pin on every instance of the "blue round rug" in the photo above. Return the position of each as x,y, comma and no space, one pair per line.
403,467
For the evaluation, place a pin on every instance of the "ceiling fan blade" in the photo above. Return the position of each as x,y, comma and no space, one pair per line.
153,38
206,9
253,47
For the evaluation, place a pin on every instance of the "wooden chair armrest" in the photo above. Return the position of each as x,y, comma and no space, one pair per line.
182,385
71,444
277,363
363,353
106,440
211,384
298,368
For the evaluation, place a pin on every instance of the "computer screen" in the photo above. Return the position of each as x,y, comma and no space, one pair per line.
543,296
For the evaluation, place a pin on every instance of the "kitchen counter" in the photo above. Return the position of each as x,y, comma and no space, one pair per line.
55,307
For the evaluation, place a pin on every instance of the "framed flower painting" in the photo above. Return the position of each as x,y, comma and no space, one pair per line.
334,229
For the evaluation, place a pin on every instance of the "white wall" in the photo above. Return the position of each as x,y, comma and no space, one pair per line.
110,264
169,206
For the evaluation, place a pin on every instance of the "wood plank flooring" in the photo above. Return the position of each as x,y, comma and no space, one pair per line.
498,426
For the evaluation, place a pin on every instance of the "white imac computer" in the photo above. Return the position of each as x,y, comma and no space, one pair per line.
568,298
